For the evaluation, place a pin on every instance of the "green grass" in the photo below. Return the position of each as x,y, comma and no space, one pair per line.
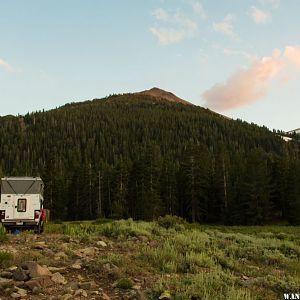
204,262
3,235
6,259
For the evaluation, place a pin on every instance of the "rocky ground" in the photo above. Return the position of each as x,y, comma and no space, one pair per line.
53,266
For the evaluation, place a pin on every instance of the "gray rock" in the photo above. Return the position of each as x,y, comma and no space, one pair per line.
67,297
5,282
81,293
101,244
6,274
58,278
90,251
76,266
88,285
19,275
21,292
73,285
15,296
60,255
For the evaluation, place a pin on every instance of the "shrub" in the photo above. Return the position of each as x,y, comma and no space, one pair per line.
170,221
6,259
125,284
3,235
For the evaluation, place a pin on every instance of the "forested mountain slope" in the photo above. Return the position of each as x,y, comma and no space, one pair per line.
140,156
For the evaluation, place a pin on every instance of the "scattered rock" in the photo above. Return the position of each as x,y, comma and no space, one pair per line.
60,255
76,266
55,269
5,282
88,285
15,296
39,282
136,287
35,270
90,251
19,275
101,244
21,292
80,277
73,285
40,245
12,268
81,293
67,297
6,274
58,278
104,296
109,267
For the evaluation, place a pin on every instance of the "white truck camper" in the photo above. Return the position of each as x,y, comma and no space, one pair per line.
21,203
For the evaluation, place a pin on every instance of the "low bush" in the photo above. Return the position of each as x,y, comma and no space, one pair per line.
6,259
170,221
125,284
3,235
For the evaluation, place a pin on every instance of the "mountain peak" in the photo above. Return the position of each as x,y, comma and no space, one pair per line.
162,94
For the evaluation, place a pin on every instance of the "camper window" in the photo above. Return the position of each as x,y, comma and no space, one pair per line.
21,205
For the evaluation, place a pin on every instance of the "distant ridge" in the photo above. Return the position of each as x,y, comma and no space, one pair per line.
161,94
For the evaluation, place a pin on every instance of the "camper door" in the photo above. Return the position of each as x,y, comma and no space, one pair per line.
24,208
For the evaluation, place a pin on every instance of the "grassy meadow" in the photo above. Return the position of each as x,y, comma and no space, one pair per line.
190,261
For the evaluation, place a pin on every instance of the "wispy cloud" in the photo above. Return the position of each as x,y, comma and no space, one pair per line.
4,64
251,84
270,3
173,27
199,9
231,52
259,16
226,26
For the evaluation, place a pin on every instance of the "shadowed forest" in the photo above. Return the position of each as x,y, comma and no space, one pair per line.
137,156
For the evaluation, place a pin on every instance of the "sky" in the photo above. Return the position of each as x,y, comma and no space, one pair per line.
240,58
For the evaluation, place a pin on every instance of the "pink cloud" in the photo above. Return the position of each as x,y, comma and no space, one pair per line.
6,65
251,84
292,54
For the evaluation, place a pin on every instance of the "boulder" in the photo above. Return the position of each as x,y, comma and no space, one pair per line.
35,270
19,275
39,282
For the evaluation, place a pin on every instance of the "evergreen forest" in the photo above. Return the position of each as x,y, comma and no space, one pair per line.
135,156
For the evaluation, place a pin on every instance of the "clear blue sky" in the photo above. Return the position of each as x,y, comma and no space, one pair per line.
53,52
